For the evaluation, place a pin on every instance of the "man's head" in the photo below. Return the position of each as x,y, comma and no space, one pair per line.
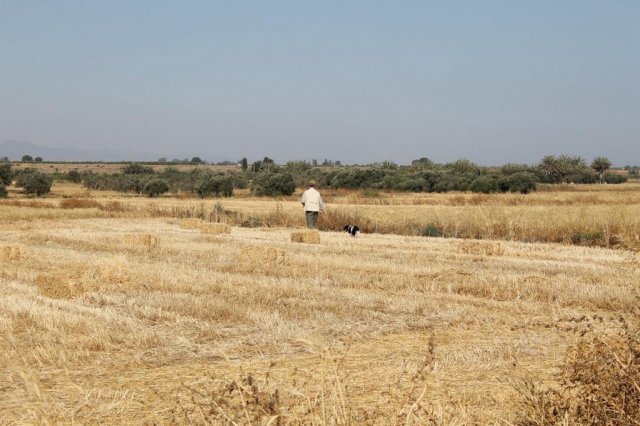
312,184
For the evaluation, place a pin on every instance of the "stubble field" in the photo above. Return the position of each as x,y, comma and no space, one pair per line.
129,310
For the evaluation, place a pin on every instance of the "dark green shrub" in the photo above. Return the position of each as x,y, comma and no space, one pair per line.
431,230
21,176
74,176
614,178
5,173
37,183
485,184
274,184
411,185
130,183
3,191
452,182
585,176
522,182
137,169
155,187
215,185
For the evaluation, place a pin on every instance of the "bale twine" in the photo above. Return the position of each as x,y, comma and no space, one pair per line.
12,253
265,256
309,236
59,285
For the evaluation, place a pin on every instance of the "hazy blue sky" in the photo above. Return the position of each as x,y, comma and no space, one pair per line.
357,81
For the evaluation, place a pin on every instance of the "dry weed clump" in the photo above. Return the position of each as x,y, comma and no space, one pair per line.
481,248
60,285
146,240
265,256
237,402
318,395
308,236
12,253
79,203
599,382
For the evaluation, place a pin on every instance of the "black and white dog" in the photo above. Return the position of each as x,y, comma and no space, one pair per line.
352,229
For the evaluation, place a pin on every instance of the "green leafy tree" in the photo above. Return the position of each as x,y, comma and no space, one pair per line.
74,176
137,169
155,187
5,173
485,184
274,184
422,163
600,165
244,164
3,191
215,185
38,160
37,183
522,182
27,159
615,178
196,160
463,167
550,166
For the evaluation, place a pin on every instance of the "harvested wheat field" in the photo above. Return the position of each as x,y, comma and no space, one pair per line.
132,320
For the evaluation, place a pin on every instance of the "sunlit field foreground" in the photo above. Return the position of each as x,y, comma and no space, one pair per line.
143,320
119,309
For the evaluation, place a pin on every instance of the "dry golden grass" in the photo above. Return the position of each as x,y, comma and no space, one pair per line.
100,323
306,236
594,215
205,227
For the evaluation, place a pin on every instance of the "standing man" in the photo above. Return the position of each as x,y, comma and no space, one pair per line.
312,202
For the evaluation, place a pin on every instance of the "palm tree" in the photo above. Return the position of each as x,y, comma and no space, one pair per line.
600,164
550,165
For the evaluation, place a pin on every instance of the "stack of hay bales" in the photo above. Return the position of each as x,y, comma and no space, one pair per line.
205,227
309,236
11,253
264,256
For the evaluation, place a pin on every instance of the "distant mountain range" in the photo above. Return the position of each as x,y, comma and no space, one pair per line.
15,150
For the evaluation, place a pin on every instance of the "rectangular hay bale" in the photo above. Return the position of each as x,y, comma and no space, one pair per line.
264,256
309,236
11,253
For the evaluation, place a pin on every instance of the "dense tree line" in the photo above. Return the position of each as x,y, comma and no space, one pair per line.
266,178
